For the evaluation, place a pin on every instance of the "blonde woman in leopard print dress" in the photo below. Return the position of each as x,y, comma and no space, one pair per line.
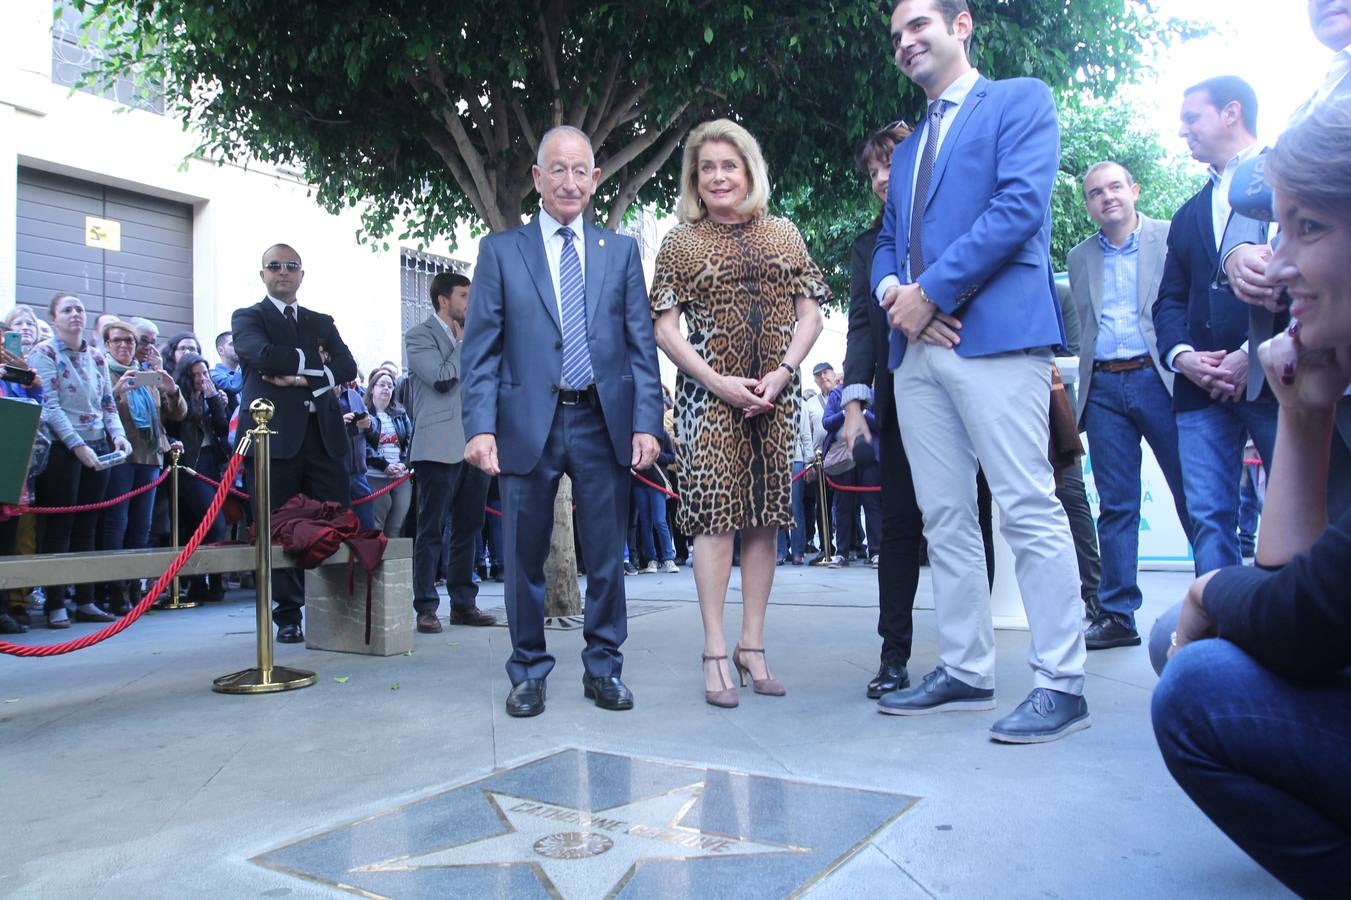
750,296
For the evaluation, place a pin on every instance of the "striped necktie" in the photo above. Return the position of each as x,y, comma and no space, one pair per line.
577,373
923,177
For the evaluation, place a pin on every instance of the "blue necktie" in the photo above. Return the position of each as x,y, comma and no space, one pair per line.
577,373
923,176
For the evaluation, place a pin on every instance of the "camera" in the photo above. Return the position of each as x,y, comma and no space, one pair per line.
18,375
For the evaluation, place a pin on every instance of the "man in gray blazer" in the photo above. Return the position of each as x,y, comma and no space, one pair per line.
560,376
1125,393
445,485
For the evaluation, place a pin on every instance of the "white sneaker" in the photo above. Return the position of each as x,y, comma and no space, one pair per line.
37,598
649,569
835,562
670,567
875,560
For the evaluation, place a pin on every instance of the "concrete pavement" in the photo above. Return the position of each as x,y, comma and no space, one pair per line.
126,776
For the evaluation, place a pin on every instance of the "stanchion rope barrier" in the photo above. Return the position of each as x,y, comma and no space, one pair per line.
852,489
150,596
94,507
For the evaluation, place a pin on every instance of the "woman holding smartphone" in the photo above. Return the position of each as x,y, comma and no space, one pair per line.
204,434
79,412
146,399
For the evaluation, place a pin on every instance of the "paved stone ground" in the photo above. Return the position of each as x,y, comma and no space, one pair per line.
126,776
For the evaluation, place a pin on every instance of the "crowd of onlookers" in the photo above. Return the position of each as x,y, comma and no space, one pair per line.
119,399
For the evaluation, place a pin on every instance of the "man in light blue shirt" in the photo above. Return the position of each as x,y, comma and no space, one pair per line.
1125,394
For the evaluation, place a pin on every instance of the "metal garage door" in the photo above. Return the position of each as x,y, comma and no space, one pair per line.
151,275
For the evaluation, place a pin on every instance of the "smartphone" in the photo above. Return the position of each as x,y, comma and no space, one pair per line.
145,378
108,460
361,417
14,343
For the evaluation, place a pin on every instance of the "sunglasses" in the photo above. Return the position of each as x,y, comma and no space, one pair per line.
278,266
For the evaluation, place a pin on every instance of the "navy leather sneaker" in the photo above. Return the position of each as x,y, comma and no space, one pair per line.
1045,715
938,692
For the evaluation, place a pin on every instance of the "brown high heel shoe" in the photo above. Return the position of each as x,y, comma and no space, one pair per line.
724,697
770,686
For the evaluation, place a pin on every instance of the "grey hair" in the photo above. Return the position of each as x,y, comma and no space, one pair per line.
559,131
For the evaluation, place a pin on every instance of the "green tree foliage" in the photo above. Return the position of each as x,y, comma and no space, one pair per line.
1093,130
431,111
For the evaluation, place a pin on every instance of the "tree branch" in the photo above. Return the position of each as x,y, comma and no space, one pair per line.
616,113
608,84
628,190
639,145
548,53
441,143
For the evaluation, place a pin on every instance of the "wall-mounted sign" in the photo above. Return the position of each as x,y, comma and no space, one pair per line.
102,234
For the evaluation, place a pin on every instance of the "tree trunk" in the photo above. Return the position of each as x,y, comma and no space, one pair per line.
561,594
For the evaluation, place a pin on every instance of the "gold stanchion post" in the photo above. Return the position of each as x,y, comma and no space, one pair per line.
266,678
823,511
176,600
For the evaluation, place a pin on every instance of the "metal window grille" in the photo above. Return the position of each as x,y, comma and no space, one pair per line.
416,271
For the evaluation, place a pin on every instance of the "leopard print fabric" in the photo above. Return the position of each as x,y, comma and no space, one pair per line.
737,286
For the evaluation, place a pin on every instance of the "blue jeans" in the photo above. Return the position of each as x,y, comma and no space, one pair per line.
1123,408
126,526
1268,760
1210,444
365,511
651,505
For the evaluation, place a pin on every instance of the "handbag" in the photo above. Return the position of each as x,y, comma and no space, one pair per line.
839,458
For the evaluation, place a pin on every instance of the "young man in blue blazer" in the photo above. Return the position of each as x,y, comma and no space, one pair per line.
962,266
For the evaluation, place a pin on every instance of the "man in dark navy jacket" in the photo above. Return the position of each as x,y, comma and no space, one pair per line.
1203,329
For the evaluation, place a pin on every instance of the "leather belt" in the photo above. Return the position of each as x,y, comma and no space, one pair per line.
586,397
1123,365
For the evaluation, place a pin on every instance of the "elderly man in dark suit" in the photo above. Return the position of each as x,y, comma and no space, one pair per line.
1125,392
560,376
294,357
445,485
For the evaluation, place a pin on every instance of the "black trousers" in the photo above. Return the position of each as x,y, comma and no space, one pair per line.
317,475
458,491
902,539
1074,498
67,482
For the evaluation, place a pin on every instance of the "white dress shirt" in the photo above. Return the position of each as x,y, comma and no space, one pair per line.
553,250
955,96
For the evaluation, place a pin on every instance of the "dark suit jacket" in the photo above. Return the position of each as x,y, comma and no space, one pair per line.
512,352
265,346
986,228
1295,620
865,355
1191,307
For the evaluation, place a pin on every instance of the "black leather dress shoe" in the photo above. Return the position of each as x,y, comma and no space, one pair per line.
526,699
890,677
290,634
608,691
1106,632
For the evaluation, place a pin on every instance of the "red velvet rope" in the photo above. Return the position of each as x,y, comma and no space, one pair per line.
234,492
853,489
384,490
656,487
92,507
155,591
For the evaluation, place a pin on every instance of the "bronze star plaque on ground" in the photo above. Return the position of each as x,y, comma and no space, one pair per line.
580,824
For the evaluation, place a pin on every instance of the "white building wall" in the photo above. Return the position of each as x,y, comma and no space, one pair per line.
238,211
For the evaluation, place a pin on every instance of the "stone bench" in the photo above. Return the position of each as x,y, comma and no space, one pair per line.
334,618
